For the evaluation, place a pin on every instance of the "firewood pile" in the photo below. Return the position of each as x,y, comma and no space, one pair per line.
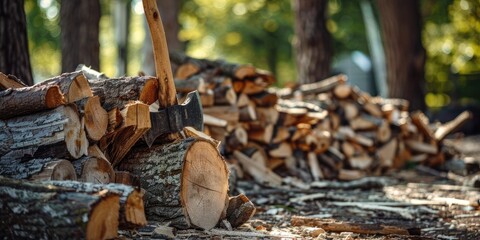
323,130
86,127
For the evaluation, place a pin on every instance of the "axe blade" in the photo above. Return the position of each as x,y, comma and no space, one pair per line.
175,118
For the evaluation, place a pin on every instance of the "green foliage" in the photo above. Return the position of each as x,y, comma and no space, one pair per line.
451,38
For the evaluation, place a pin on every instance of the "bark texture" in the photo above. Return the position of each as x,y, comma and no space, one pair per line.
28,100
74,85
401,27
14,57
57,132
167,176
131,199
41,211
38,169
94,170
313,44
79,21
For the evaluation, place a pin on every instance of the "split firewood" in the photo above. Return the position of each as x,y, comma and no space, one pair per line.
281,150
207,98
387,153
89,73
7,82
191,84
132,213
264,99
331,225
66,213
125,177
349,175
342,91
421,122
421,147
28,100
315,169
237,138
247,113
256,152
186,182
261,135
240,210
214,121
74,86
228,113
115,120
57,132
451,126
320,86
258,171
116,93
94,170
96,119
224,95
38,169
267,115
191,132
136,121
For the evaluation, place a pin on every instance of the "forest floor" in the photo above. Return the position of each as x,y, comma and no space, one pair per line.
425,203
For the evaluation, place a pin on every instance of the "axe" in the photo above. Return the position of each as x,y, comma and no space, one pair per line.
174,118
171,117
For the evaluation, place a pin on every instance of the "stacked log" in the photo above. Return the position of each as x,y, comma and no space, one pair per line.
323,130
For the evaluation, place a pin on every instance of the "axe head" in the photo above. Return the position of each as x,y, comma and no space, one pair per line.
174,118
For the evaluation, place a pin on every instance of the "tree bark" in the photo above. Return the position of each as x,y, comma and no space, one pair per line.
401,26
132,212
14,57
94,170
41,211
313,44
38,169
57,132
186,182
79,22
74,85
28,100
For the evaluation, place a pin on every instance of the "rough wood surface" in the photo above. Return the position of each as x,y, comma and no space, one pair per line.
94,170
185,182
41,211
28,100
118,92
132,213
94,117
10,82
74,85
38,169
57,132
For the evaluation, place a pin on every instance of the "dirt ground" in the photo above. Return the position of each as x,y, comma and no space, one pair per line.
429,204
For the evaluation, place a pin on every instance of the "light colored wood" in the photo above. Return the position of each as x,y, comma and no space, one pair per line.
191,132
350,175
238,138
38,169
247,113
421,147
261,135
283,150
96,119
281,134
373,109
207,98
94,170
342,91
6,82
115,120
224,95
242,100
315,170
360,162
258,171
250,87
214,121
384,132
267,115
318,87
453,125
186,70
351,109
387,153
191,84
331,225
228,113
28,100
421,122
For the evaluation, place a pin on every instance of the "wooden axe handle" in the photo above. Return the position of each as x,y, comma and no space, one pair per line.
167,92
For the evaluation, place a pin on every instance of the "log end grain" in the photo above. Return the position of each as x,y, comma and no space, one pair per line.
149,92
103,222
54,97
78,89
96,119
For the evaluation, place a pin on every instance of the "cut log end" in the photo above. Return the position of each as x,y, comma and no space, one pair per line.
95,170
103,223
75,137
54,97
96,119
134,209
79,89
149,92
56,170
204,185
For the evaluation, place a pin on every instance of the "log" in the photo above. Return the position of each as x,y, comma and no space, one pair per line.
127,178
207,98
38,169
228,113
282,150
251,87
247,113
57,132
238,138
240,210
421,147
28,100
191,132
319,87
387,152
118,92
342,91
258,171
256,152
115,120
350,175
74,85
213,121
118,143
421,122
10,81
41,211
96,119
267,115
331,225
132,213
186,182
224,95
314,166
451,126
89,73
191,84
261,135
264,99
94,170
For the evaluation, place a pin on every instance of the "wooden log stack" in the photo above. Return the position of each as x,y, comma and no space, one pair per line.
323,130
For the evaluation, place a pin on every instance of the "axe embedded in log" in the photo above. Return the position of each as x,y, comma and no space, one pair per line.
171,117
174,118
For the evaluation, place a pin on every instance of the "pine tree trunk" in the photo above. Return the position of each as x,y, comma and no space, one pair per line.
14,57
401,26
79,21
313,44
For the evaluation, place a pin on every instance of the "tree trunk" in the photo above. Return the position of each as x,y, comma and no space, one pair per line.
313,44
14,57
401,26
186,182
74,86
41,211
79,22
